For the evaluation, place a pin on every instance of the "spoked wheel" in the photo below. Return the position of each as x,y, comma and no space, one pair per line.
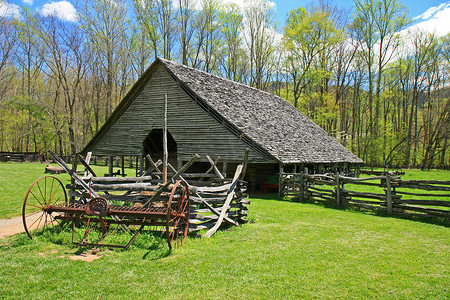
44,192
178,213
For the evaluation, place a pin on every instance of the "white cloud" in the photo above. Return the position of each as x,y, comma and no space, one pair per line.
437,20
29,2
63,10
429,13
9,10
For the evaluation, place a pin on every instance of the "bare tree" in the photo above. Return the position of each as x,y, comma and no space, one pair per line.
259,39
186,23
66,61
7,47
233,60
104,22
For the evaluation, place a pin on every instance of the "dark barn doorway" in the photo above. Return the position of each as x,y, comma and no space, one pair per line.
153,145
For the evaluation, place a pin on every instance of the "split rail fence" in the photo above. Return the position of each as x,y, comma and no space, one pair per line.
381,193
213,197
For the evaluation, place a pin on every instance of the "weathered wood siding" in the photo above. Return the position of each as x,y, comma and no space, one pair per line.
194,130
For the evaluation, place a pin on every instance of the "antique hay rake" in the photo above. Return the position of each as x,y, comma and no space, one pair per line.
46,205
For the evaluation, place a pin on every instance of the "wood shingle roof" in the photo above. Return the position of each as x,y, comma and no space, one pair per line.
268,120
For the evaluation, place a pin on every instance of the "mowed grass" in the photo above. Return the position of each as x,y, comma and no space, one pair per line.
16,178
290,251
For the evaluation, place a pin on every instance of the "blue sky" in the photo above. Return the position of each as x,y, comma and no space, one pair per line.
415,7
428,14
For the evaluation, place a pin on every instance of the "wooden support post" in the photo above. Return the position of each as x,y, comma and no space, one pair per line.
122,162
245,163
338,190
302,186
343,199
224,168
110,166
389,194
165,152
280,179
141,165
137,164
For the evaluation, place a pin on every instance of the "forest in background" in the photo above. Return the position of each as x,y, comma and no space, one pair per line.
382,92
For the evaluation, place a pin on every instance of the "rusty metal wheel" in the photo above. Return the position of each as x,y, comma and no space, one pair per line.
45,192
178,214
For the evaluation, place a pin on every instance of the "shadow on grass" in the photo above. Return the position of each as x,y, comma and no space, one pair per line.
152,243
155,255
380,213
439,221
267,196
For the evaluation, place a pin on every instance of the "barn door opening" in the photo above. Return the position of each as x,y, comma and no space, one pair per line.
153,145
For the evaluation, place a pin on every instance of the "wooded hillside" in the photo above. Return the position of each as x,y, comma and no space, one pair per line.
382,94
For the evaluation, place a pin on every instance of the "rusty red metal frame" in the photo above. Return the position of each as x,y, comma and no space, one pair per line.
174,216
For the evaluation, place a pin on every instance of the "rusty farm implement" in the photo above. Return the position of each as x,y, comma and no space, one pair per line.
95,207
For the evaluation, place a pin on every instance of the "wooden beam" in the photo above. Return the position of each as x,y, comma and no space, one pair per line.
86,166
165,152
87,161
72,173
212,209
214,167
174,177
152,163
211,168
225,206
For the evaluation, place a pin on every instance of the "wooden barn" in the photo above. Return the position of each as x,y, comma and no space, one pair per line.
210,115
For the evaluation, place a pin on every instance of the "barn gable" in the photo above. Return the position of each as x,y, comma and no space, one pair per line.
191,127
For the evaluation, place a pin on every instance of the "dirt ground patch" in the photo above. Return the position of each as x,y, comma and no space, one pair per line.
10,227
85,257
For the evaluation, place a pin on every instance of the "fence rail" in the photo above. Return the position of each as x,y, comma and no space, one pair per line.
387,193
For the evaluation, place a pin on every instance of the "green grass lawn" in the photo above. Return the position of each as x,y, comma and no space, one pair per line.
16,178
290,250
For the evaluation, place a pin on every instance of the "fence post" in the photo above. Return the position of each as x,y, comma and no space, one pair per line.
388,194
338,191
